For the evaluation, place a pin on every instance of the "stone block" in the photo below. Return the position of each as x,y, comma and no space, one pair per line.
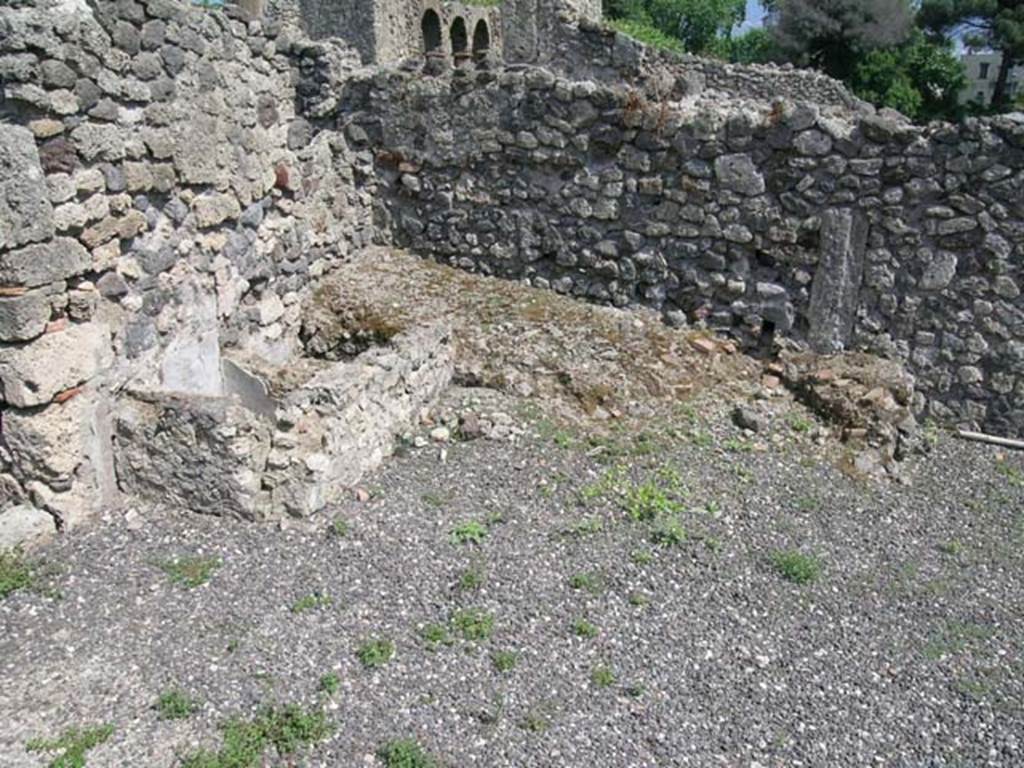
739,173
43,263
50,444
197,453
24,317
835,292
31,375
214,209
24,525
26,215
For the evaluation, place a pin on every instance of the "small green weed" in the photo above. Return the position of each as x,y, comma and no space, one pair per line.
375,653
175,705
405,753
15,572
954,637
641,556
504,661
649,501
589,581
583,628
473,624
1013,475
311,602
192,571
72,744
244,742
953,548
800,424
795,566
668,531
435,635
535,721
330,683
638,599
585,527
603,676
472,578
469,532
338,528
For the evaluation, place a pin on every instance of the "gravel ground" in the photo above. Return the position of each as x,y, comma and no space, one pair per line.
904,651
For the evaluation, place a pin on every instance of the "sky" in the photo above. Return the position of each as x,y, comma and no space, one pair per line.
755,15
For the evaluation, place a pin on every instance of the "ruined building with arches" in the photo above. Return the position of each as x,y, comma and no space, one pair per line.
392,31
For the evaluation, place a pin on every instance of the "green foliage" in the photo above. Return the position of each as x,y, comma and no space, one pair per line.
192,571
649,501
286,730
583,628
647,34
15,572
472,578
591,582
668,531
473,624
834,35
175,705
995,24
309,602
339,528
72,744
330,683
434,635
504,661
696,24
469,532
405,753
795,566
375,653
603,676
922,79
755,46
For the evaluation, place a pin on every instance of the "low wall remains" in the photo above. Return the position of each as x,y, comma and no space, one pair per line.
835,227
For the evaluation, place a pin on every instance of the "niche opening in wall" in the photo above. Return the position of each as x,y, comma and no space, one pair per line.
431,27
460,42
481,41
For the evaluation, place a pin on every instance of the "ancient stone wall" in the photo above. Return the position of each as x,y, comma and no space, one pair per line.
161,200
835,227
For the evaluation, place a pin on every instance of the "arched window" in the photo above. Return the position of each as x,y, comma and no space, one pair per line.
460,41
481,41
431,26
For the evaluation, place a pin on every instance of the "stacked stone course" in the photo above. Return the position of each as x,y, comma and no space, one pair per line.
840,228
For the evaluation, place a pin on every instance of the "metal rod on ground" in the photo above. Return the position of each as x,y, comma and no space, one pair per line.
979,437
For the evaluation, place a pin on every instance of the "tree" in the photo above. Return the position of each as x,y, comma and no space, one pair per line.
697,23
834,35
755,46
921,78
995,24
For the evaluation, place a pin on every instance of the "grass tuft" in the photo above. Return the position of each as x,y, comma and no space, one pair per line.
795,566
603,676
405,753
72,745
175,704
191,571
375,653
473,624
15,572
504,661
469,532
245,741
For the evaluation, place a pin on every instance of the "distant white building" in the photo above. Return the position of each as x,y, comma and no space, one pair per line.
982,73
